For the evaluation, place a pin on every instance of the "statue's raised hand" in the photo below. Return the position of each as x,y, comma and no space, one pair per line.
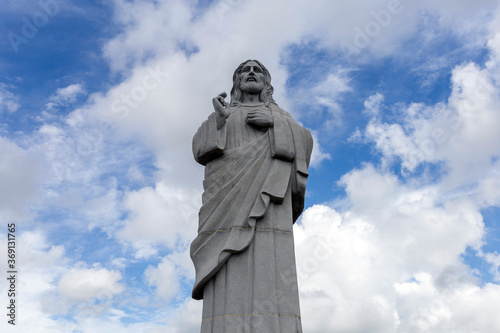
260,118
221,110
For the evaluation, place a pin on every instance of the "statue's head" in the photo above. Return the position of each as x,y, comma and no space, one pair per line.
252,76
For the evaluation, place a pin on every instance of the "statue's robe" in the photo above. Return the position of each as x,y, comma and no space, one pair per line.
254,187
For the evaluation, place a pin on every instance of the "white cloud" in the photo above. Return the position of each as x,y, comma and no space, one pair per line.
328,94
393,255
65,96
462,133
487,189
139,39
186,318
462,307
135,174
318,153
160,216
68,94
494,260
161,108
385,238
21,172
119,263
8,101
39,264
168,275
83,284
167,93
382,258
322,100
372,105
354,266
164,278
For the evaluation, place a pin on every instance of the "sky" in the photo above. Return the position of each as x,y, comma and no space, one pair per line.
99,101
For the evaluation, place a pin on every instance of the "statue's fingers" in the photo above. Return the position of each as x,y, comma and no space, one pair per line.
216,103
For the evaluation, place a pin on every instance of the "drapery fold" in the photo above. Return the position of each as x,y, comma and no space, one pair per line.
241,182
236,196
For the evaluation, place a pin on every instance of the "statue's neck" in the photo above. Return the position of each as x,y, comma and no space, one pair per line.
251,99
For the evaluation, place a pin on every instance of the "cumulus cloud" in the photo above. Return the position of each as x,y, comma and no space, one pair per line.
39,265
387,259
82,284
160,77
165,278
390,262
50,288
173,271
393,253
162,215
461,133
353,263
186,318
139,39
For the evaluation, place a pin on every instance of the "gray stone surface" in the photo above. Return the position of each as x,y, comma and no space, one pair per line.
256,158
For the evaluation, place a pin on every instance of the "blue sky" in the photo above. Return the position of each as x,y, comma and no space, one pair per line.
98,106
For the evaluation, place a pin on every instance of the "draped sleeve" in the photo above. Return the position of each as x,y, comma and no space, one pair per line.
282,146
303,144
209,142
292,143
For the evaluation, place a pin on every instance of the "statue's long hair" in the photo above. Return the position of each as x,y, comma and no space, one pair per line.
266,95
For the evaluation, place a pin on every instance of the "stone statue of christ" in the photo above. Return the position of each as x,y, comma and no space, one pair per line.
256,158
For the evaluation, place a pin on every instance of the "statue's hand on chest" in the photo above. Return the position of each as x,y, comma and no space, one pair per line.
261,119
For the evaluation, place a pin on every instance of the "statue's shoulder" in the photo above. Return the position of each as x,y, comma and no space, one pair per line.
276,109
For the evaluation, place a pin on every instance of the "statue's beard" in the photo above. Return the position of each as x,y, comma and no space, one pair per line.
251,87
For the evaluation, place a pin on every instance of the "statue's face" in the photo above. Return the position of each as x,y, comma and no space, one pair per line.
252,78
